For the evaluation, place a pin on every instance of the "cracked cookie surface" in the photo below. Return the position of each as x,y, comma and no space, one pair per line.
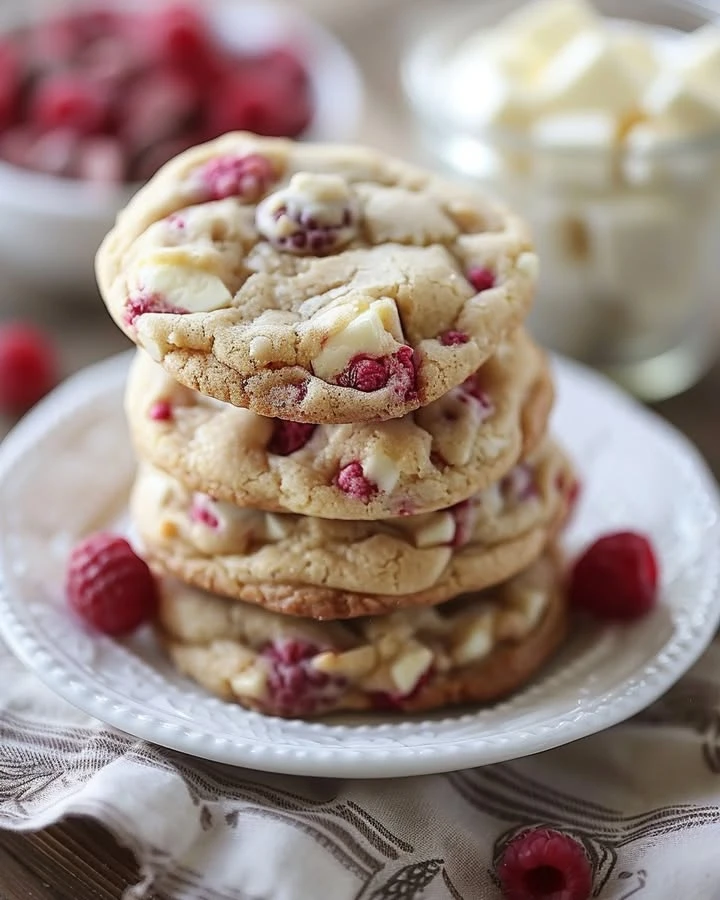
476,648
429,459
305,566
318,283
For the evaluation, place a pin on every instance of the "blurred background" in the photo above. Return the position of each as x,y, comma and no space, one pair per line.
601,124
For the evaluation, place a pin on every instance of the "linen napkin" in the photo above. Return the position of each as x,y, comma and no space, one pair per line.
643,797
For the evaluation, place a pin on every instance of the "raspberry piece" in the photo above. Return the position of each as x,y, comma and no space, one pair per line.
159,107
109,585
364,373
247,177
148,303
28,367
16,145
285,65
453,338
464,514
287,437
161,411
259,102
403,375
294,686
352,481
480,278
178,35
616,577
68,101
543,864
200,511
519,484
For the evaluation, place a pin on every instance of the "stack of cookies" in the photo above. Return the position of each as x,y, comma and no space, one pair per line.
345,480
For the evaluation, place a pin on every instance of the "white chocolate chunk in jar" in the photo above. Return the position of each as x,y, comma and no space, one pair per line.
687,108
541,29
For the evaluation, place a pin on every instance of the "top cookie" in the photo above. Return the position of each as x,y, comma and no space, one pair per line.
317,283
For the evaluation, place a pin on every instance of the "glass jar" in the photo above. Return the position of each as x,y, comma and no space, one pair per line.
629,240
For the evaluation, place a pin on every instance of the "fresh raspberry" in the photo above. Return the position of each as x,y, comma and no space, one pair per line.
109,585
387,701
616,577
68,101
260,102
140,304
453,338
352,481
284,63
247,177
28,367
480,278
200,511
287,437
364,373
544,864
464,514
402,375
161,411
10,83
159,107
294,686
179,35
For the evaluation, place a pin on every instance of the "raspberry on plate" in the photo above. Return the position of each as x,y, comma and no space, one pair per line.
544,864
28,367
109,585
616,577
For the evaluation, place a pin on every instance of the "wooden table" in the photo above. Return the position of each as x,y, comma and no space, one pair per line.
79,860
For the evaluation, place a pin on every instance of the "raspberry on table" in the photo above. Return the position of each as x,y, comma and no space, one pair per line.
287,437
247,177
28,367
352,481
294,686
481,278
544,864
616,577
108,585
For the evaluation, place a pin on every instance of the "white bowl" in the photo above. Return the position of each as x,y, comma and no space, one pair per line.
50,228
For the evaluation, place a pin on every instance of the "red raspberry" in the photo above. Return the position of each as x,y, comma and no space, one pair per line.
10,83
109,585
68,101
148,303
161,411
403,376
157,108
543,864
464,514
453,338
284,64
616,577
480,278
352,481
365,374
259,102
28,367
178,35
294,686
247,177
200,511
287,437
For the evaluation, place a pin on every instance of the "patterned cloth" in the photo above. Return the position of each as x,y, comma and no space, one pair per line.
644,798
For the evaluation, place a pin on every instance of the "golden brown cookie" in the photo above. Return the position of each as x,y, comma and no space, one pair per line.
318,283
428,460
476,648
305,566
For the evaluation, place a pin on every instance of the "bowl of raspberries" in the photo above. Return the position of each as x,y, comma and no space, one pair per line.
95,98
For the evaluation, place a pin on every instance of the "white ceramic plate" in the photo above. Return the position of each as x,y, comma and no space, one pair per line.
66,471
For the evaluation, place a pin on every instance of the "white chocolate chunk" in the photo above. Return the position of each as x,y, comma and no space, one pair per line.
183,286
546,26
517,62
261,349
381,469
250,683
692,109
528,264
277,527
637,52
368,332
531,604
352,664
430,530
589,74
697,57
409,667
483,96
475,641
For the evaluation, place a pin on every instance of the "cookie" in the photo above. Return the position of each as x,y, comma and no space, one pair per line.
318,283
428,460
305,566
476,648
